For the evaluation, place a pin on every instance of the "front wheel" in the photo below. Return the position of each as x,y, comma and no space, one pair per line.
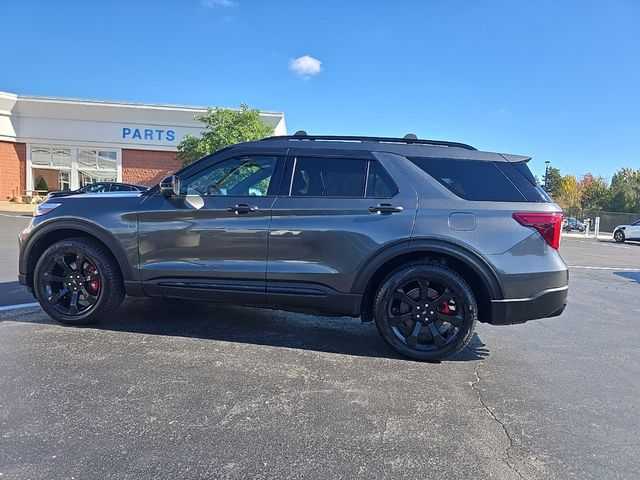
425,311
77,282
618,236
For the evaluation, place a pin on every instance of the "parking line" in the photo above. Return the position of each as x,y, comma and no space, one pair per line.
624,269
20,305
14,216
604,244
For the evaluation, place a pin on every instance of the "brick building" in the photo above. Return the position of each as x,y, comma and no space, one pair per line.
58,143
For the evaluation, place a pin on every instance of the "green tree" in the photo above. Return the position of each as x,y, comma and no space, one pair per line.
41,184
594,193
552,180
223,127
567,192
625,191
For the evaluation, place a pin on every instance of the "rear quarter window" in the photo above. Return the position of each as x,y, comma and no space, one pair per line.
523,179
379,183
471,179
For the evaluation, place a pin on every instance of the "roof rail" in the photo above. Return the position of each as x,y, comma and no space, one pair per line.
302,137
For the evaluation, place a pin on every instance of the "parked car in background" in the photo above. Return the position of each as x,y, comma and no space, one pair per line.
627,232
99,187
423,237
572,224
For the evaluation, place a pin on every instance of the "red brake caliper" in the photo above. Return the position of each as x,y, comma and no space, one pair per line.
94,285
444,308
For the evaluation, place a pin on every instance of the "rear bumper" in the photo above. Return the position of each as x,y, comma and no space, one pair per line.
548,303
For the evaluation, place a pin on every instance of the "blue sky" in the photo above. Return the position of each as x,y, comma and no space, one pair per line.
559,81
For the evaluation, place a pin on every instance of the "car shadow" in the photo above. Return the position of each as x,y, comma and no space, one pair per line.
12,293
475,350
635,276
211,321
277,328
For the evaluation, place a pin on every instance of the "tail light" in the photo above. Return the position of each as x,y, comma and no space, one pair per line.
549,225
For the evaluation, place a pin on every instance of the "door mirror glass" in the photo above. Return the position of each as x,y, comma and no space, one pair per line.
170,186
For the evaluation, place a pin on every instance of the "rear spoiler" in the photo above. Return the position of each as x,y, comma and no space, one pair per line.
509,157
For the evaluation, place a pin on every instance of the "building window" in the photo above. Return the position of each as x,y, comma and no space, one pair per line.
97,166
51,167
53,157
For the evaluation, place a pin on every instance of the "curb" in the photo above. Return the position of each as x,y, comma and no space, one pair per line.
601,236
16,207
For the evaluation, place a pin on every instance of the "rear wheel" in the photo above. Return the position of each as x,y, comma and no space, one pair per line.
619,236
425,311
77,281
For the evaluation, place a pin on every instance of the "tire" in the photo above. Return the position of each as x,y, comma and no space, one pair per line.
415,327
618,236
77,282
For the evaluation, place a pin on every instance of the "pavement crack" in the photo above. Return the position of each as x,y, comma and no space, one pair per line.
509,459
384,430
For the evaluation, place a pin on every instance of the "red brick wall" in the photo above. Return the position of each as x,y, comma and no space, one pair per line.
145,167
13,161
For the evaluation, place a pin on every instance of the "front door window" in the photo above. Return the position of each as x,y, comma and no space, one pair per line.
245,176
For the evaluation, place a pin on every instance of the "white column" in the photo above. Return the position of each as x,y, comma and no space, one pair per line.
119,165
74,181
28,184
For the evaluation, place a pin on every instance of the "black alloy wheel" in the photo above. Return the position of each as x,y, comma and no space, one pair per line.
71,283
618,236
425,311
77,281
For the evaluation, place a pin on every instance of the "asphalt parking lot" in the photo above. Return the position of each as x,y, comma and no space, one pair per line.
183,390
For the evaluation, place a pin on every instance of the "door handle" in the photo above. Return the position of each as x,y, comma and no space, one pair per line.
385,208
242,209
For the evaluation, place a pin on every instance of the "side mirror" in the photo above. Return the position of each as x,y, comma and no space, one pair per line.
170,186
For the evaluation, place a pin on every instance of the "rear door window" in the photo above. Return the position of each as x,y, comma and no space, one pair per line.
328,177
97,188
120,188
338,177
471,179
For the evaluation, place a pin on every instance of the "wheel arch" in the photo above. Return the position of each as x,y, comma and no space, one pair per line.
57,230
481,277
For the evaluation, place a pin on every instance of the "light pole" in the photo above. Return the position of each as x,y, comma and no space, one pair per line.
546,175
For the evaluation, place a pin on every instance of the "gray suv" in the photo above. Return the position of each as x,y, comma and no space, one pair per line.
423,237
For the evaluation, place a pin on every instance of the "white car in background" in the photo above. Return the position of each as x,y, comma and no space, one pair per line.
627,232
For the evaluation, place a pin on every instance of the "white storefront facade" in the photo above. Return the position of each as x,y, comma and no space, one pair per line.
55,143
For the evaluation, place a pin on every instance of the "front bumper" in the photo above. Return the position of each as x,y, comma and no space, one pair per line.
548,303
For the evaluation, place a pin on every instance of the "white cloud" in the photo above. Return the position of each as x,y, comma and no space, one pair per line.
305,66
220,3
